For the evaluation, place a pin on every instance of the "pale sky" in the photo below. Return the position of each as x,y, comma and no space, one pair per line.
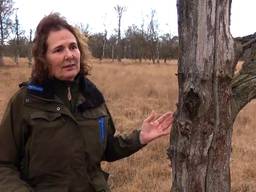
100,13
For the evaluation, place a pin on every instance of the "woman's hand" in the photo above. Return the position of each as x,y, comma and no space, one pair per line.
154,127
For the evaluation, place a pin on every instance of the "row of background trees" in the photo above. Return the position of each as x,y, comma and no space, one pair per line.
137,42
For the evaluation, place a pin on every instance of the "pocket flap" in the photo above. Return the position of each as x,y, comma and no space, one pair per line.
46,116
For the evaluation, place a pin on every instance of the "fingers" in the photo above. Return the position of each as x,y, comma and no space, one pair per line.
166,118
162,118
165,130
166,123
151,117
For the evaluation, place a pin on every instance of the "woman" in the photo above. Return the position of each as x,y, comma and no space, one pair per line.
57,129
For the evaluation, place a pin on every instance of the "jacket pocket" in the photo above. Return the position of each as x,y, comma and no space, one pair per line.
95,122
41,121
93,126
94,132
50,147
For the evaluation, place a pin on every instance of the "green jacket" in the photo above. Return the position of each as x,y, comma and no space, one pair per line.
46,147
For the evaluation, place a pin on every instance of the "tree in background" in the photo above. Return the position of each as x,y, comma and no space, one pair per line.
96,43
6,11
119,10
142,42
105,39
112,46
30,49
84,29
131,42
137,42
168,48
10,49
153,38
104,44
210,95
18,33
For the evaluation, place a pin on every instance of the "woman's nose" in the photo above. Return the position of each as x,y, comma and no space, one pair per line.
68,54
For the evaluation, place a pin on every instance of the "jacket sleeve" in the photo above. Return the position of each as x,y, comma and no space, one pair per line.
10,138
120,146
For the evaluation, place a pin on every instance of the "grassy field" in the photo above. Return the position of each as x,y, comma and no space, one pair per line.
132,91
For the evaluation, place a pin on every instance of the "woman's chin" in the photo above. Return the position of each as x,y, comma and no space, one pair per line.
68,77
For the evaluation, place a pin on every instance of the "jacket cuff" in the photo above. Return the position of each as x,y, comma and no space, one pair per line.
137,140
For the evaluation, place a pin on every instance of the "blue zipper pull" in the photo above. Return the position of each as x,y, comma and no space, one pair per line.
102,128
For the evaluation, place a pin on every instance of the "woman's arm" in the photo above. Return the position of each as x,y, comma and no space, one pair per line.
120,146
10,139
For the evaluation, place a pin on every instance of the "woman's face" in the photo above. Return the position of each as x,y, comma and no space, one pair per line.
63,55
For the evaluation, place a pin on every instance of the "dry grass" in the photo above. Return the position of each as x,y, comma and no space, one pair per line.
132,91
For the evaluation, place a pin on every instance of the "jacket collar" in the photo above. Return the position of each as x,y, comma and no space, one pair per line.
93,97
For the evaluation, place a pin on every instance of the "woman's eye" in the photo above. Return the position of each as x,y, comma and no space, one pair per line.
73,47
57,50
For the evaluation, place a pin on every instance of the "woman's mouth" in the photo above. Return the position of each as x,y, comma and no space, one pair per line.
69,66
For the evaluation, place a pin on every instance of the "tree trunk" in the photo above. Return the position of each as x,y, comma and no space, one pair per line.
157,53
1,41
103,49
113,53
30,49
210,96
200,144
17,55
1,56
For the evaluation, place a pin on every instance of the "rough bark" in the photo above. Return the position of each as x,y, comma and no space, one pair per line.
200,144
1,41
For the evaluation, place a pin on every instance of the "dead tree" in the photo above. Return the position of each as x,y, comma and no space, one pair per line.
210,95
120,10
153,37
18,33
104,44
6,11
30,49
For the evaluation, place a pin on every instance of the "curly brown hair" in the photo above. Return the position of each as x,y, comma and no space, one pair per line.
54,22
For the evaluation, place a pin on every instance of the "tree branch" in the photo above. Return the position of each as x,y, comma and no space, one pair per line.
244,83
242,44
244,86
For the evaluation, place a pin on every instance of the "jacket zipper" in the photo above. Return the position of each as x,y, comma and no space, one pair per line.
69,94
